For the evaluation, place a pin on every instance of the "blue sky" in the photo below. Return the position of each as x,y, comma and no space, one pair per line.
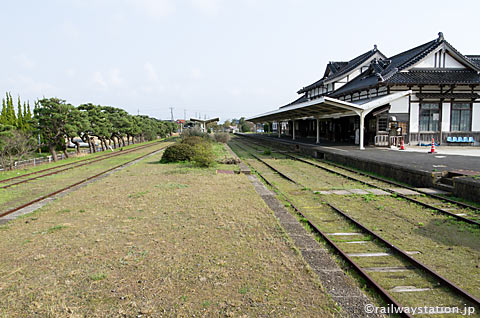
213,57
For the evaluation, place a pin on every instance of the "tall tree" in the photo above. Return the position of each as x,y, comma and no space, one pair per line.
20,122
3,115
52,118
11,118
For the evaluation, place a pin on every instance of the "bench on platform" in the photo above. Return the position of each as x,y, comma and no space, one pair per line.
461,140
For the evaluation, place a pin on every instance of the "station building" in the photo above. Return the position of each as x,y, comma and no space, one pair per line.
428,91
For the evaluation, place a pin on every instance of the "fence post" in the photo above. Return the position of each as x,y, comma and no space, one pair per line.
34,162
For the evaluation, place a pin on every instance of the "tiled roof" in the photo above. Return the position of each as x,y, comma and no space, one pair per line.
336,66
474,58
389,71
435,77
448,95
345,67
299,100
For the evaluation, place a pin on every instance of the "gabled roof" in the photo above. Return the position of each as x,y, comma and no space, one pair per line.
333,67
341,68
299,100
474,58
389,71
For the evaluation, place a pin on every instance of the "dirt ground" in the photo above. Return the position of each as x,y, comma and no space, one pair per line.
156,240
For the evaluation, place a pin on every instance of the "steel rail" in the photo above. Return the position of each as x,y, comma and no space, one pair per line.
436,196
60,166
81,164
75,184
370,281
419,264
406,197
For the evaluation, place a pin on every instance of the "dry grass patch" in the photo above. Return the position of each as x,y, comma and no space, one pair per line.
156,240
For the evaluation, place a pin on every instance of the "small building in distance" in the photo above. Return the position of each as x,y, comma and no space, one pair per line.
429,91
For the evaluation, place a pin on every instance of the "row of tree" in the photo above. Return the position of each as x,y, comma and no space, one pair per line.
20,119
55,123
58,122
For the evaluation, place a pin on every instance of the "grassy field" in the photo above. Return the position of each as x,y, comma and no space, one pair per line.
23,193
156,240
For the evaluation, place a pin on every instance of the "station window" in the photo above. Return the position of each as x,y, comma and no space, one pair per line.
461,117
429,117
382,123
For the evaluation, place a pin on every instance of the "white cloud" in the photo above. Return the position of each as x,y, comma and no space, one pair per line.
207,6
24,61
195,73
28,85
99,80
154,8
151,73
115,77
235,91
71,72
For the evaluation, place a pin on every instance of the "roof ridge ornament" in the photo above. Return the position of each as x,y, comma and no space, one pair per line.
374,47
440,36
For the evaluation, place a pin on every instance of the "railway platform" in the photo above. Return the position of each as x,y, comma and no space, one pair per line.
451,168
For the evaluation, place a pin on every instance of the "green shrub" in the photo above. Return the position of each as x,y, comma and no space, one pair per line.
194,140
203,155
192,132
222,137
178,152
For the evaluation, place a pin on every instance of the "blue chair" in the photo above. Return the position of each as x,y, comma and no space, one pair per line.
470,139
449,139
460,139
454,139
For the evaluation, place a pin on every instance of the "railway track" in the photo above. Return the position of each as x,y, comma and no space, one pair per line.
332,224
84,180
9,182
459,210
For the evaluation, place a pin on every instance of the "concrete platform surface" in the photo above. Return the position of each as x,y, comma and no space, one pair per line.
417,158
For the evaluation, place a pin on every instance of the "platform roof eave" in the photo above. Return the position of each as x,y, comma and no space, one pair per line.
327,107
205,121
320,107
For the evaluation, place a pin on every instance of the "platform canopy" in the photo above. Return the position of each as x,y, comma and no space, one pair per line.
203,123
206,121
327,107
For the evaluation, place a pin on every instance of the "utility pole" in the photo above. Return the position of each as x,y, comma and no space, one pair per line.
138,112
171,112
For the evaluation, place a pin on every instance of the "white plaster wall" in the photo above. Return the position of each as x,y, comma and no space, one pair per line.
427,62
450,62
399,105
354,74
476,117
446,108
414,117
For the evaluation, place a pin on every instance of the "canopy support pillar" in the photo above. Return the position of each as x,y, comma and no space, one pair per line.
362,128
279,129
318,131
293,129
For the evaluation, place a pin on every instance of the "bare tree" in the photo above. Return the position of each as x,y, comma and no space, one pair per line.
15,145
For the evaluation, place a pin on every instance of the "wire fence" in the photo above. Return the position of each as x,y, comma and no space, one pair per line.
37,161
